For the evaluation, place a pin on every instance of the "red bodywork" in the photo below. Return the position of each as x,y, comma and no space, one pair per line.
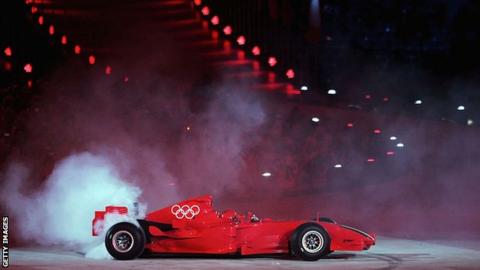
194,227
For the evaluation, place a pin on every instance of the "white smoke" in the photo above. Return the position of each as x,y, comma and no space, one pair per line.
61,212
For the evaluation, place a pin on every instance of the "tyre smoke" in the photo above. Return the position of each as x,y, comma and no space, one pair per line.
60,213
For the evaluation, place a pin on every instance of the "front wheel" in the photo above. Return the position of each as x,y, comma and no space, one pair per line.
310,242
125,241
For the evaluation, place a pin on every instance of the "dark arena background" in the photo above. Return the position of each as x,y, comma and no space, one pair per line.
363,111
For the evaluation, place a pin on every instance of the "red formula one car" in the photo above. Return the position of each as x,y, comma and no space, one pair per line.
194,227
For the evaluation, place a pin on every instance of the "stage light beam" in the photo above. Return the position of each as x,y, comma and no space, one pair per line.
256,51
28,68
241,40
290,74
215,20
8,51
272,61
227,30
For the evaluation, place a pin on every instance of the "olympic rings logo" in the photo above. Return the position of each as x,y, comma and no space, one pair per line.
185,211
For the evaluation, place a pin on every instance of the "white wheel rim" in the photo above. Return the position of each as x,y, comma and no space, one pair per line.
312,241
122,241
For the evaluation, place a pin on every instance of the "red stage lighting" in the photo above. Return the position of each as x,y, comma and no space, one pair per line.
386,99
205,11
256,50
390,153
40,20
290,74
256,65
241,40
371,160
271,77
215,20
125,79
8,51
28,68
7,66
368,96
51,30
215,35
64,40
77,49
272,61
350,125
29,84
34,10
377,131
197,2
108,70
240,55
91,59
227,30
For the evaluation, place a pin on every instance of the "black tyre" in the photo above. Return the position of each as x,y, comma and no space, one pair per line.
310,242
125,241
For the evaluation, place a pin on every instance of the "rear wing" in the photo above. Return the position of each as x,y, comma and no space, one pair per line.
98,222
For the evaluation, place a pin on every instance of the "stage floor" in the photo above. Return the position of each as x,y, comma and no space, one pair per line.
389,253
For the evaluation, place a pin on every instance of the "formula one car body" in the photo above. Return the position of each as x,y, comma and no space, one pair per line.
194,227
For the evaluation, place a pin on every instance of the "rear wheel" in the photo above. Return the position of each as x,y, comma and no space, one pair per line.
125,241
310,242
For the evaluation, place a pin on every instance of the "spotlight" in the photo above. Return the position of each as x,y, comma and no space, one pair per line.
304,88
315,119
266,174
272,61
256,50
30,84
370,160
77,49
108,70
28,68
367,96
290,74
64,40
227,30
34,10
470,122
332,92
390,153
205,11
377,131
400,145
338,166
187,128
40,20
197,2
51,30
8,51
91,59
125,79
418,102
241,40
350,125
393,138
461,108
386,99
215,20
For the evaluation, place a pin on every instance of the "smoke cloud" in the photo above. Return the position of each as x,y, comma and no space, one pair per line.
61,212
